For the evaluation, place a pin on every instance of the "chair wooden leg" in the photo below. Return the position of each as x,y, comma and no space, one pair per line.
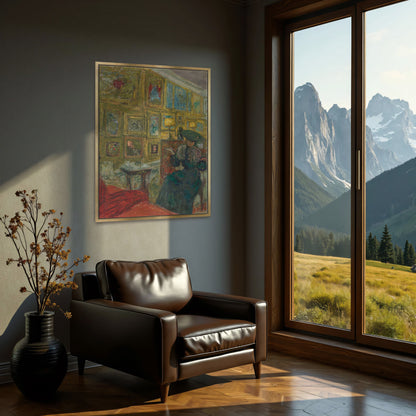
164,392
257,369
81,366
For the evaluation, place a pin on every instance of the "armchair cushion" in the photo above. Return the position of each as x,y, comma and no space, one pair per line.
159,284
203,336
232,307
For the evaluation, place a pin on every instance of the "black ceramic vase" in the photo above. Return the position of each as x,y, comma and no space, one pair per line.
39,360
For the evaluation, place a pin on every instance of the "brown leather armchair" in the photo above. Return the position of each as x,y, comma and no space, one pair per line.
143,318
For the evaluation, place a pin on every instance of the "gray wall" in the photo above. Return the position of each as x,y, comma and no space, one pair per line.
47,137
255,79
255,148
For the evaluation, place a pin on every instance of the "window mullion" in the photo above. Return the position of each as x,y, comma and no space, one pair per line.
358,165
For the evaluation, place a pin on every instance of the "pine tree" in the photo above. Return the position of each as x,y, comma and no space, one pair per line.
376,248
331,244
371,248
385,251
368,247
299,244
401,256
412,255
406,260
398,254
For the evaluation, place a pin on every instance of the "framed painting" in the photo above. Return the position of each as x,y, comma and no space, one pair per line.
152,142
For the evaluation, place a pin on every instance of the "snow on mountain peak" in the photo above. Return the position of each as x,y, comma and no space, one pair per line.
393,126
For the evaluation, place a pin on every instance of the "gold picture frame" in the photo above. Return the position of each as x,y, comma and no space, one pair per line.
149,162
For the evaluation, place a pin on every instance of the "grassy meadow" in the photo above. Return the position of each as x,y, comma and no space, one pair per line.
322,295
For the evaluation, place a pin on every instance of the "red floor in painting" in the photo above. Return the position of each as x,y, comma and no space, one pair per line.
121,203
145,209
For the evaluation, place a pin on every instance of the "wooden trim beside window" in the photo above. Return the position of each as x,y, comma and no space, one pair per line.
279,187
273,166
288,186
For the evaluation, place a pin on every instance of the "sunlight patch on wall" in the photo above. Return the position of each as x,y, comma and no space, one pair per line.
51,178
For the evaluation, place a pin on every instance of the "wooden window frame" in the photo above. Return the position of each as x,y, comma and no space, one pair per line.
285,336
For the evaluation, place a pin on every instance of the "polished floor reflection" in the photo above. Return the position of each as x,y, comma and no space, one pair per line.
289,386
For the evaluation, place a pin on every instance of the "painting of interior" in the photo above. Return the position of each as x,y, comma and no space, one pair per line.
152,142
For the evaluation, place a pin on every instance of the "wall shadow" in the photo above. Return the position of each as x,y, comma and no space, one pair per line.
215,246
48,82
15,330
47,111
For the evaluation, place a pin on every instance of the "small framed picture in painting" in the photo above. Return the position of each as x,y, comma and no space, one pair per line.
154,149
133,147
112,123
153,121
153,144
112,149
136,125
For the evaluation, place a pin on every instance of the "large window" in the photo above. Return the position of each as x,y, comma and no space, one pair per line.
349,173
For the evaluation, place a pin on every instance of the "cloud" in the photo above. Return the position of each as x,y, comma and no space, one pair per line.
406,51
394,75
377,36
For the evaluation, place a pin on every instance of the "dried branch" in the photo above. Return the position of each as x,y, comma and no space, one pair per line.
44,248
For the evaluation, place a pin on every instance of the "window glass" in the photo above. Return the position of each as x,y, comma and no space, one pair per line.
322,175
390,271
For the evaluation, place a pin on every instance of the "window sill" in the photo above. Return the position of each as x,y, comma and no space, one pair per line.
351,356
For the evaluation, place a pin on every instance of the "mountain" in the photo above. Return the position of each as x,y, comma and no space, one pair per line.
393,125
390,199
377,159
314,142
309,196
341,121
323,143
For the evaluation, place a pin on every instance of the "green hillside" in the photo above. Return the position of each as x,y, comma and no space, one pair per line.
391,193
309,196
334,216
391,200
402,227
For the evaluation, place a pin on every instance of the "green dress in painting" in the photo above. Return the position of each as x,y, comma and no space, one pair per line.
180,188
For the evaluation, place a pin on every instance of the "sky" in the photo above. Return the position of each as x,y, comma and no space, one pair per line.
322,56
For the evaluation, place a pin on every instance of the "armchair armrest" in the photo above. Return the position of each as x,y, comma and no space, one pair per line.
233,307
134,339
88,286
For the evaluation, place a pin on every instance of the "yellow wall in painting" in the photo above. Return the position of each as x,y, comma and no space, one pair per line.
138,109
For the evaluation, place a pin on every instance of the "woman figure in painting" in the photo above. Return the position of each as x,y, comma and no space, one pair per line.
179,189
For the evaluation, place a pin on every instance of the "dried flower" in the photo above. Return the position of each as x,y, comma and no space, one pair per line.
43,260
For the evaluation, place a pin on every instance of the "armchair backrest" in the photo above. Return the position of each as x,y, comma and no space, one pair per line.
159,284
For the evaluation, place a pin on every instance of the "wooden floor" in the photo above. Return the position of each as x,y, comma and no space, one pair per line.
289,386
